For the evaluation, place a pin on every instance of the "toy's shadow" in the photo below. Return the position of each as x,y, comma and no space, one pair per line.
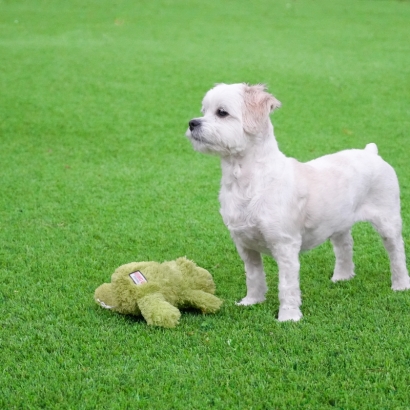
133,319
191,312
186,312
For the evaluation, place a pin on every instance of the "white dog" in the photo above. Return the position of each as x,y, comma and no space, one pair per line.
276,205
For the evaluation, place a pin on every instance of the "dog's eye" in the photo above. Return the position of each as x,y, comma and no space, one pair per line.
221,113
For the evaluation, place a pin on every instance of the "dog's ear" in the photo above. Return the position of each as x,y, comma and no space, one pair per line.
258,104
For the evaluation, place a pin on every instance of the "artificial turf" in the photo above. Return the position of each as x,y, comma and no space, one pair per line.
96,172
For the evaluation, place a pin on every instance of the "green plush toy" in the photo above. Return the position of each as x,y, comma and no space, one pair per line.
157,291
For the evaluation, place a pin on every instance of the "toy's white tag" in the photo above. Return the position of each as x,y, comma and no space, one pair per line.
138,278
105,306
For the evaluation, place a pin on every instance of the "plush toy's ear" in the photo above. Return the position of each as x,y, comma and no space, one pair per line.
258,104
185,265
103,295
195,276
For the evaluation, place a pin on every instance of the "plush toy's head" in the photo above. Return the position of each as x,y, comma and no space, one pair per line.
157,291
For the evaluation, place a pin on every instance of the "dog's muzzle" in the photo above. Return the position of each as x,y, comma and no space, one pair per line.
193,124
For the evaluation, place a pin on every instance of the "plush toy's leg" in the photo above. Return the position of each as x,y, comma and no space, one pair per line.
204,301
157,311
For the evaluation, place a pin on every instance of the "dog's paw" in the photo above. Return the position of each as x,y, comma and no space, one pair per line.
247,301
338,276
403,284
289,314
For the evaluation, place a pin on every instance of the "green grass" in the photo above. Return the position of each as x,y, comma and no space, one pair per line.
96,172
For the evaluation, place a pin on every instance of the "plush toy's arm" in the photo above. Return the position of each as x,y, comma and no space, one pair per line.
157,311
204,301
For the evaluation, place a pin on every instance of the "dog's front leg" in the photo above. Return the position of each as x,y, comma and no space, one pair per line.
255,276
287,257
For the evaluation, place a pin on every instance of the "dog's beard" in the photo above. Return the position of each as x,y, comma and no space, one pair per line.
198,136
199,142
210,139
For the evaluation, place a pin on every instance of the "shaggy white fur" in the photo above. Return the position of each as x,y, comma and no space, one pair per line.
276,205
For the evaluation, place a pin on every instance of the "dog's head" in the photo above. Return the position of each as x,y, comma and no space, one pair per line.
233,117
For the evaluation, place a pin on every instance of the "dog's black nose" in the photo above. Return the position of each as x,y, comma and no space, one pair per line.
193,124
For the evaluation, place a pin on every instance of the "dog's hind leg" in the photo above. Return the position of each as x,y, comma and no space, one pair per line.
255,276
389,228
343,248
287,257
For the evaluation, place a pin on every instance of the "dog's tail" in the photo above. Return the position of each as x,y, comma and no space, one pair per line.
372,147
